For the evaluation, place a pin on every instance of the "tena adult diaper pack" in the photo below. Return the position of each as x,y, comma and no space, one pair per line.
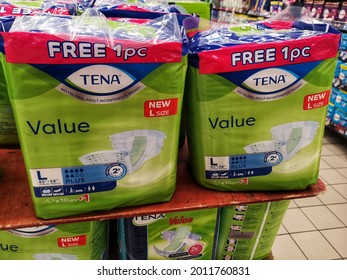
75,241
185,235
8,11
97,106
256,102
248,231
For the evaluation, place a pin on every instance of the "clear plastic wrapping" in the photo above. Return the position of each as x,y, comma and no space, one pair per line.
93,23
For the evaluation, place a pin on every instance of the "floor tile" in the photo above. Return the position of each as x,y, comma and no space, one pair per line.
316,228
295,221
284,248
332,176
344,157
340,210
322,217
331,196
315,246
338,239
326,151
282,230
292,204
309,201
341,189
333,210
335,161
323,164
342,171
338,149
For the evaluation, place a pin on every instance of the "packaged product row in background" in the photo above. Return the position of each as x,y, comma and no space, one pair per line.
232,11
337,108
98,101
327,10
238,232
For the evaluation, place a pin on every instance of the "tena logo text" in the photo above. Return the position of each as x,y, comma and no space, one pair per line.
270,84
100,84
100,79
147,219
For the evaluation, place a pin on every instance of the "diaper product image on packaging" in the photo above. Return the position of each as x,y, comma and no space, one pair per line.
248,231
75,241
98,106
255,103
185,235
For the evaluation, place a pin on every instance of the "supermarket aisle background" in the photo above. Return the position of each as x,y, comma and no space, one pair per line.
316,228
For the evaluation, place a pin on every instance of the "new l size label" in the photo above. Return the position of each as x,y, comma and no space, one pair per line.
72,241
316,100
160,108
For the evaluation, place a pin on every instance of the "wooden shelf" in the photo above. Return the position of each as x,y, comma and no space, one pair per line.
16,208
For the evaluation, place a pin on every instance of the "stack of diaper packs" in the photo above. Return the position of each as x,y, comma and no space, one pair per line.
256,101
97,105
186,235
75,241
241,232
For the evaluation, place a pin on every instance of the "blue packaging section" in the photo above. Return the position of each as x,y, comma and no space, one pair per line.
343,44
337,109
339,121
137,248
330,113
341,101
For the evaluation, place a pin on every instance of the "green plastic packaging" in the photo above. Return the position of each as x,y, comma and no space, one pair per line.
74,241
255,117
248,231
103,132
186,235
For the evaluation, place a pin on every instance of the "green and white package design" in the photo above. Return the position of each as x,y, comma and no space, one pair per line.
255,121
10,10
101,133
185,235
74,241
248,231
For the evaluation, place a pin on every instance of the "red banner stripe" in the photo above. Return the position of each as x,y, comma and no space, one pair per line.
256,56
43,48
